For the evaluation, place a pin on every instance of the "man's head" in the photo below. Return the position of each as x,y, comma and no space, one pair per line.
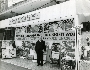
40,38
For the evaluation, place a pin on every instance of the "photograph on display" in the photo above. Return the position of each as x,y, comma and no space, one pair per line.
30,32
68,24
35,28
34,31
55,47
59,26
53,27
55,53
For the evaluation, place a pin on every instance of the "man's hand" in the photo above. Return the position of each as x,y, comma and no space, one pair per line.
43,51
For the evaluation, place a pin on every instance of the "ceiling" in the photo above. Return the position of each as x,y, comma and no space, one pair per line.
83,7
26,7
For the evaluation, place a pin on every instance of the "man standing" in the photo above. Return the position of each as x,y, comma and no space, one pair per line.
40,48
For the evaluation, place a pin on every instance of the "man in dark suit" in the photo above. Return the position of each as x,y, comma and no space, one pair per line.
40,48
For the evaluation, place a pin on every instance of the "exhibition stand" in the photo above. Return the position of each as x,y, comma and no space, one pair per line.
56,26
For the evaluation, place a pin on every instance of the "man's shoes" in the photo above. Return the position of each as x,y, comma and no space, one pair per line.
38,65
41,64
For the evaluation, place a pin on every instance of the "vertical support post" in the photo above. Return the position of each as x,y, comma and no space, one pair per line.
76,38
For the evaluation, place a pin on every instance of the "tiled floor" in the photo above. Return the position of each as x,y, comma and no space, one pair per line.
84,65
28,64
8,66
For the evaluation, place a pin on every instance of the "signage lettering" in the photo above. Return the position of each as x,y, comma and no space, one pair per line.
25,18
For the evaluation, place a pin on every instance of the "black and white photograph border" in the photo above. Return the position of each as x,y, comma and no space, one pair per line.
44,35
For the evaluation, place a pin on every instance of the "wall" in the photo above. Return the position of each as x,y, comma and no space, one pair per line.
4,23
81,18
88,18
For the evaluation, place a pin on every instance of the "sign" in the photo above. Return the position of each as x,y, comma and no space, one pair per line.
65,36
25,18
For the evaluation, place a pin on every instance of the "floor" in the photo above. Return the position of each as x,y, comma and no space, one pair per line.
24,64
84,65
8,66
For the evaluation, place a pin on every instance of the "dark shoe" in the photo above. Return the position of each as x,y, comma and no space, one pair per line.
38,64
41,64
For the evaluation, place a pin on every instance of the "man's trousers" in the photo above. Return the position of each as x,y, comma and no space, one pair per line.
40,57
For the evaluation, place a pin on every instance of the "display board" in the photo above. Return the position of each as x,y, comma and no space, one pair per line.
57,30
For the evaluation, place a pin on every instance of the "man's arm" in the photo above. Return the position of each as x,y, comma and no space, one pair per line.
44,46
36,47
